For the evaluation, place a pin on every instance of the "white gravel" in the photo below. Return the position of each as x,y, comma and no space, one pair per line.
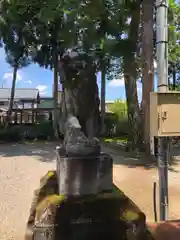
21,167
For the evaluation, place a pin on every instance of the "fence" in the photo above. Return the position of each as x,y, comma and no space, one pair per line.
26,116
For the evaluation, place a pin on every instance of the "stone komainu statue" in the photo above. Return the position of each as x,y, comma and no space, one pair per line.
80,96
78,201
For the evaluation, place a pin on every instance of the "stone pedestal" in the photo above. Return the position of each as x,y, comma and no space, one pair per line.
83,175
109,214
105,173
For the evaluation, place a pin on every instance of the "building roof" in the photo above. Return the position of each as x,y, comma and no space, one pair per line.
20,93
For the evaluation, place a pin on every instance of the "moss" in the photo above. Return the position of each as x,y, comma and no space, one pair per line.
105,208
117,140
50,200
129,216
48,187
127,210
50,175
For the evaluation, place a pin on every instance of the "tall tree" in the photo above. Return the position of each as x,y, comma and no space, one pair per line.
125,48
147,66
13,32
16,63
130,76
55,94
82,26
84,34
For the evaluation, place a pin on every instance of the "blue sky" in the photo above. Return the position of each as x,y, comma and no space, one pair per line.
35,77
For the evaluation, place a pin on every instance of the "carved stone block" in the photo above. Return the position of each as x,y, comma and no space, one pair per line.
77,176
83,175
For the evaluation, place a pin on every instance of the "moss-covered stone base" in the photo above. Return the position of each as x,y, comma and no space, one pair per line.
109,215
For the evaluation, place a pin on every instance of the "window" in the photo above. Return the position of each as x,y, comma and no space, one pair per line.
27,105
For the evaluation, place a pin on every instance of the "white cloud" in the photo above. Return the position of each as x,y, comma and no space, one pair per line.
9,76
117,82
42,89
28,82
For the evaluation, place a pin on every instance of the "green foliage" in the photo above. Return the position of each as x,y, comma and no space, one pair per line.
42,29
41,131
110,121
11,59
14,32
117,122
120,108
122,128
95,27
10,135
171,87
49,26
174,37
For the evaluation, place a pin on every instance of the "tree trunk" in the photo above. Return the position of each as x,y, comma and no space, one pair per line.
147,67
134,133
62,110
103,100
11,102
55,95
130,76
93,120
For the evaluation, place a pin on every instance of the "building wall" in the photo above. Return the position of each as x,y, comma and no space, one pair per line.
17,104
45,103
3,104
107,105
48,102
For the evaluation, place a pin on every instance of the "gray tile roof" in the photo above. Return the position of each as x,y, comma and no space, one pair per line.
20,93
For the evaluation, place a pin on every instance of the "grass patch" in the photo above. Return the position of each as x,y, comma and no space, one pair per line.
117,140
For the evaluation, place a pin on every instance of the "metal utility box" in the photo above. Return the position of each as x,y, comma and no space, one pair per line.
165,114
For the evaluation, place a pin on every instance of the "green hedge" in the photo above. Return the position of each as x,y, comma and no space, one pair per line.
10,135
115,126
41,131
122,127
44,130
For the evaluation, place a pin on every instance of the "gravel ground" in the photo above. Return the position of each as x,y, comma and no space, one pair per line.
136,178
19,176
22,166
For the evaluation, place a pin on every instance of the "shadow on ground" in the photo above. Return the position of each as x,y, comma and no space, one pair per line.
132,160
45,152
42,151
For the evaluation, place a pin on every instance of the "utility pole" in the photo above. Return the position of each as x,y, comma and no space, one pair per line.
162,73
